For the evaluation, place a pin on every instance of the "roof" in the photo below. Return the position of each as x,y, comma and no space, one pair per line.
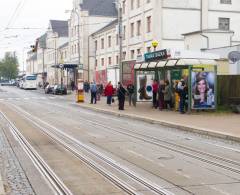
60,27
107,27
99,7
208,31
63,45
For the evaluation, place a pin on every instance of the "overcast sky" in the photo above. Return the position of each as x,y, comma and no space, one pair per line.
19,14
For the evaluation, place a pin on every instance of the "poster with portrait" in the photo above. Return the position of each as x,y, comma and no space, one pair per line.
144,87
203,90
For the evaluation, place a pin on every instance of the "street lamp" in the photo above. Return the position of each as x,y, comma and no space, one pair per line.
154,44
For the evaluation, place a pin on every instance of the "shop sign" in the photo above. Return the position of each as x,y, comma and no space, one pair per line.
157,55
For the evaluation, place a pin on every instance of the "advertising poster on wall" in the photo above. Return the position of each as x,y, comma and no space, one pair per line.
203,90
144,87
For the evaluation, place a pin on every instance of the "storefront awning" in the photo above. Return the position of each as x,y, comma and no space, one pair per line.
174,63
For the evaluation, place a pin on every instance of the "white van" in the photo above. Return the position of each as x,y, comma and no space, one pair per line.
30,82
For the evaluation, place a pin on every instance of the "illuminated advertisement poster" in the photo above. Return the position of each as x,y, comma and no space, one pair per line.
203,90
144,87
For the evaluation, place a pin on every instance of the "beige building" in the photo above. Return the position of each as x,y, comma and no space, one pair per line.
87,17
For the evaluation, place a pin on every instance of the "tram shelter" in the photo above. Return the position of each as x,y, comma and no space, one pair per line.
198,69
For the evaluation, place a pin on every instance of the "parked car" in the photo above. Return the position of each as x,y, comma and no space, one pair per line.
48,89
60,90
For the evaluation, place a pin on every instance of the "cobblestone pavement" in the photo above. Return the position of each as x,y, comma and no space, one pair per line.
13,176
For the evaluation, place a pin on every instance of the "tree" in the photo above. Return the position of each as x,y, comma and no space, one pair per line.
9,67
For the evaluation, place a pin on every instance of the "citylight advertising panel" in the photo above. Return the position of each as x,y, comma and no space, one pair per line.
203,90
144,87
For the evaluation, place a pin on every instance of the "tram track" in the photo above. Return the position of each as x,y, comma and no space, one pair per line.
202,156
50,177
76,148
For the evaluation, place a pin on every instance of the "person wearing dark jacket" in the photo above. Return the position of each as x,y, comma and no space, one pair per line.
130,90
121,96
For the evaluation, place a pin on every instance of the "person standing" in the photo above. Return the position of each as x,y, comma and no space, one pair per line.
121,96
130,90
155,91
167,95
161,95
93,90
182,93
109,92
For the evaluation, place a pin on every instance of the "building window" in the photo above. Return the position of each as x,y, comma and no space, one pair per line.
148,49
109,41
138,27
102,61
132,4
102,43
124,7
132,54
226,1
138,3
124,32
109,61
138,51
117,39
149,23
224,23
117,59
96,63
124,55
96,45
132,29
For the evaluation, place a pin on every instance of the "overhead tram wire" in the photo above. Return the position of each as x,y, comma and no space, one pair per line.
15,13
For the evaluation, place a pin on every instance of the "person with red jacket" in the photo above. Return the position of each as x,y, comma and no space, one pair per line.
109,92
155,91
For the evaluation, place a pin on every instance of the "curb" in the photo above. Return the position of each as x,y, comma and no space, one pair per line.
193,129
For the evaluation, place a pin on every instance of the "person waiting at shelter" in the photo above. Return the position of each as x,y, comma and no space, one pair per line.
161,95
130,90
121,96
167,95
155,92
72,85
93,90
109,92
86,86
182,90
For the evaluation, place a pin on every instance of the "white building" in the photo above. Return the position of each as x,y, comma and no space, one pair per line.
91,15
105,53
57,35
167,21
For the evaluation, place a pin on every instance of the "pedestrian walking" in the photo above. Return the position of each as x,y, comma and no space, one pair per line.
167,95
121,96
161,95
155,87
93,90
109,92
130,90
86,86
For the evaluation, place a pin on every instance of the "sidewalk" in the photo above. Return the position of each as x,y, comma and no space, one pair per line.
222,125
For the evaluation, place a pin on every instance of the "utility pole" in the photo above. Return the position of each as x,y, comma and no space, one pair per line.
120,34
43,72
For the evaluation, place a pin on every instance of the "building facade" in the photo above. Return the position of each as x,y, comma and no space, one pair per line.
87,17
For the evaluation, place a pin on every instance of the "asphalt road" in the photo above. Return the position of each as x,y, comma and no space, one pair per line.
176,161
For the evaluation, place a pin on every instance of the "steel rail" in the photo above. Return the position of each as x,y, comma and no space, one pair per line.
144,182
157,141
53,181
